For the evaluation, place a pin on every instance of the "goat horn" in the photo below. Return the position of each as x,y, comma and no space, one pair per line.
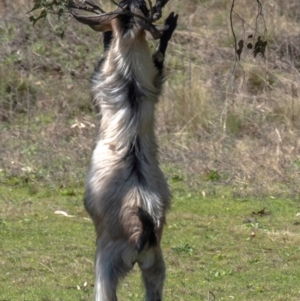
98,21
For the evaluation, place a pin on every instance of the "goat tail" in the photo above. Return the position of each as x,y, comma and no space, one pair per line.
148,236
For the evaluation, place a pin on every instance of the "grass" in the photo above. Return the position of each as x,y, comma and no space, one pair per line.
212,242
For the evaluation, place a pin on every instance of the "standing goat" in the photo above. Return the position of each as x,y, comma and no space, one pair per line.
126,193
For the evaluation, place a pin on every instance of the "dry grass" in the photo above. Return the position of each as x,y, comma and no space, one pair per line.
241,123
237,126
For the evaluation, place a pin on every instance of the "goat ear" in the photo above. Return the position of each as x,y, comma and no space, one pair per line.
99,23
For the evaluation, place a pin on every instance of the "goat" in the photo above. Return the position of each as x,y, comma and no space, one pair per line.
126,193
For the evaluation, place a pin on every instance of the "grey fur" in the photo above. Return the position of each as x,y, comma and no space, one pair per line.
124,173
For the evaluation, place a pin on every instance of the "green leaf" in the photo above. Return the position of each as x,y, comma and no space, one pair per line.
60,12
42,15
37,5
62,34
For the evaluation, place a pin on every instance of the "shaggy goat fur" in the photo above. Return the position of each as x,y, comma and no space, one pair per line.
126,193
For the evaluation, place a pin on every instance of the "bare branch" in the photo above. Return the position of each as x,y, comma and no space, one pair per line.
86,8
95,6
260,14
151,9
232,29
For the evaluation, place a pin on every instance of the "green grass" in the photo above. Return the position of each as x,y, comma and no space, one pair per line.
206,245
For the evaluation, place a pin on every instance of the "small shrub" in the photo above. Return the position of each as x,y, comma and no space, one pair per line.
259,80
17,95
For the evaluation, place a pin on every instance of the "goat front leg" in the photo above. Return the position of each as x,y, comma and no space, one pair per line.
106,38
157,8
159,55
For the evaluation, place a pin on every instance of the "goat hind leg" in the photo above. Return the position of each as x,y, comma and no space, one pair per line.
109,268
154,277
105,280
